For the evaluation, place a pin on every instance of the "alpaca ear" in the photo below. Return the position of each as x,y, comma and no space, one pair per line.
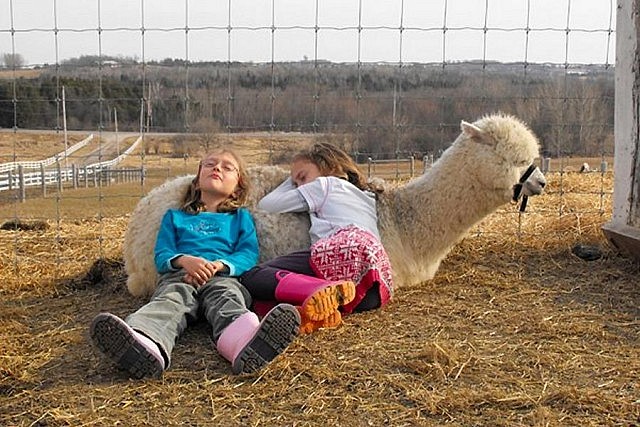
474,132
470,129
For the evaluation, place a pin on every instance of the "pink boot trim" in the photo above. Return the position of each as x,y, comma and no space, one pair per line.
319,298
129,349
249,345
235,336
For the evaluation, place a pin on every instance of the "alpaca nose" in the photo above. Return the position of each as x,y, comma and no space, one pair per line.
539,178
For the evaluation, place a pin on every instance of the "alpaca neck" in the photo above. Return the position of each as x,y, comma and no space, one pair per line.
453,195
434,212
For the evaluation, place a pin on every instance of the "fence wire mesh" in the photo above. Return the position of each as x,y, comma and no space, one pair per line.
389,81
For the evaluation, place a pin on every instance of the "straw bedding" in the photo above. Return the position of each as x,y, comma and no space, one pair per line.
514,330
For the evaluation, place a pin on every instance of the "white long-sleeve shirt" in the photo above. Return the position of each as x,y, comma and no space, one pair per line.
332,203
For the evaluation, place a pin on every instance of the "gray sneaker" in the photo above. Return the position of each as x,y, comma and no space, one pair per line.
129,349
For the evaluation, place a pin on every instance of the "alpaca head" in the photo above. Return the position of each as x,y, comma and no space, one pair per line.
509,143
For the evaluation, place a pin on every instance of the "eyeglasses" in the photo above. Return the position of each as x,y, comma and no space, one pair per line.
226,167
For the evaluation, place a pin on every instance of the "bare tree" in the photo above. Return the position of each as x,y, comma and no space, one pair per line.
13,60
207,130
590,116
183,146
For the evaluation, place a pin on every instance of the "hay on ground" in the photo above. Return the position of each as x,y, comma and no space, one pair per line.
513,330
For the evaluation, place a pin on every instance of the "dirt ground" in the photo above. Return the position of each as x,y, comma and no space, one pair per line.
514,330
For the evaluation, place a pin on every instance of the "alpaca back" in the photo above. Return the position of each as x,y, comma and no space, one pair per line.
278,234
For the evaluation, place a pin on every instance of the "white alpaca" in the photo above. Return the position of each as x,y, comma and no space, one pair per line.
419,222
422,221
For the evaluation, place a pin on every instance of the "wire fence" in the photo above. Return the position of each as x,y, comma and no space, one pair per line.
388,82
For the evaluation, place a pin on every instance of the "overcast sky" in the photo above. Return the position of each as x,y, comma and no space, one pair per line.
294,38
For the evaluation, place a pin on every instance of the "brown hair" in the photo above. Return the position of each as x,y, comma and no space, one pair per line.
192,202
332,160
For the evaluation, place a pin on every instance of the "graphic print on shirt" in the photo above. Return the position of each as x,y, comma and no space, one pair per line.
205,227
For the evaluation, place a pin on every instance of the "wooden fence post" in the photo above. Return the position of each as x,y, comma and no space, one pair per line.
397,165
74,175
623,231
43,180
59,171
22,189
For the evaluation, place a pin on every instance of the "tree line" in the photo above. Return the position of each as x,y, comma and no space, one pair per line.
385,109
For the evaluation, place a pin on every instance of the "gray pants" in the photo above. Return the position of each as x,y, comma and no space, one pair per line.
174,304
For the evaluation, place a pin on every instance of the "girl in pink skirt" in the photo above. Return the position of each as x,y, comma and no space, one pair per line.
346,269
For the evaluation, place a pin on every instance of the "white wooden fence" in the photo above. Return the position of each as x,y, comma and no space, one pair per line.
398,167
50,172
13,166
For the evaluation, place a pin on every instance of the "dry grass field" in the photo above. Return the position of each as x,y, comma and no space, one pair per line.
27,74
33,146
514,330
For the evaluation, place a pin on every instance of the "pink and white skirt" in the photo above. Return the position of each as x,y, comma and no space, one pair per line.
354,254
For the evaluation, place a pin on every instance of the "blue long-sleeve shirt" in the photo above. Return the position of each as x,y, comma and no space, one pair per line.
229,237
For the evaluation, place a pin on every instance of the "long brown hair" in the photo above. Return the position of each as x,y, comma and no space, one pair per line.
192,202
332,160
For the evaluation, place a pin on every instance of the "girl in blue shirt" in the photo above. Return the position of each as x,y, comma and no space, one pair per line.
200,249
